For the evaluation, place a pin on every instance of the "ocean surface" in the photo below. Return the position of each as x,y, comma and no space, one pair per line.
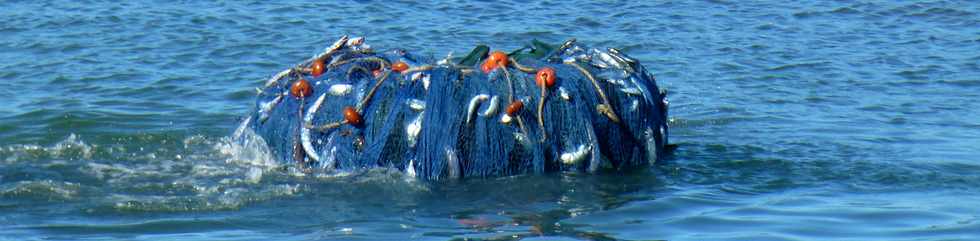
811,120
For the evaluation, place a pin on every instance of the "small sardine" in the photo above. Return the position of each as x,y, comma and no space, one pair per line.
355,41
410,169
305,132
340,89
619,54
576,156
492,109
275,78
413,129
631,91
447,60
452,163
266,108
415,104
336,45
605,60
563,93
474,103
621,60
241,128
650,145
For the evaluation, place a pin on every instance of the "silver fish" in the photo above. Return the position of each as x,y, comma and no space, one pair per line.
275,78
604,60
241,128
452,163
335,46
304,133
474,103
631,91
331,159
413,129
410,168
650,145
340,89
266,108
576,156
621,55
622,60
447,60
563,93
642,90
415,104
492,109
355,41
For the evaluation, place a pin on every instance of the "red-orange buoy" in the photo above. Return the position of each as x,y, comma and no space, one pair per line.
499,58
488,66
496,59
317,68
399,66
515,107
376,72
546,77
301,89
351,116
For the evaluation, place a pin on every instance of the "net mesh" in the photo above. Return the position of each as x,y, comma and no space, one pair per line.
450,119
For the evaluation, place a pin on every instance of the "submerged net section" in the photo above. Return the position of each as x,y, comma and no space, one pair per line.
537,109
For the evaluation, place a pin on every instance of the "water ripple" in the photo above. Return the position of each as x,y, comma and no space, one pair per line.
790,117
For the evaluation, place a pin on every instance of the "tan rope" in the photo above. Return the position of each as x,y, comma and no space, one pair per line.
326,127
510,85
521,67
544,94
367,98
604,108
333,48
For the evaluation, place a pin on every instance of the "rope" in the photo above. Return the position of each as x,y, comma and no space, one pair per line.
367,98
510,97
604,108
510,85
521,67
337,45
544,94
326,127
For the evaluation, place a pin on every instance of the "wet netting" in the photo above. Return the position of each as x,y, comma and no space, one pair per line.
537,109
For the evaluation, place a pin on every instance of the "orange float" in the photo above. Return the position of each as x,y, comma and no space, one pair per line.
399,66
515,107
545,77
496,59
301,89
317,68
351,116
499,59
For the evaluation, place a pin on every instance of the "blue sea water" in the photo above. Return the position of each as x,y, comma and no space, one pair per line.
811,120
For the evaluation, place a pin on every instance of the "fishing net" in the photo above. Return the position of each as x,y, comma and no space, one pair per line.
477,115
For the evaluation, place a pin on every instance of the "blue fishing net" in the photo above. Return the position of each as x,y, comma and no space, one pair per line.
449,119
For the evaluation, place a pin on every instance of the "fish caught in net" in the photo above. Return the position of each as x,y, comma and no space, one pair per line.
538,109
